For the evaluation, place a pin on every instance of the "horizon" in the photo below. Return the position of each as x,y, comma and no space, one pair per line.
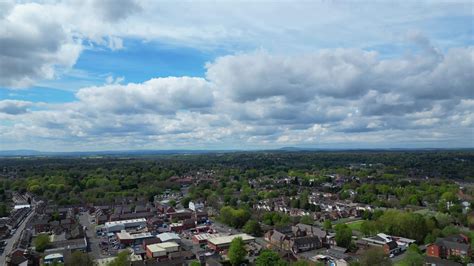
100,76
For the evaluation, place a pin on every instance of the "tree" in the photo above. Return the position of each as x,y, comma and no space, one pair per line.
412,257
306,219
3,210
122,259
343,235
195,263
268,257
234,217
79,258
375,256
237,252
42,242
327,225
252,227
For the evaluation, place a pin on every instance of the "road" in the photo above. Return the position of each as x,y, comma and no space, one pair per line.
15,237
94,248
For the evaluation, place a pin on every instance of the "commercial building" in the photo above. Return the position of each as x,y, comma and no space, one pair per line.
161,250
223,242
204,237
117,226
129,239
390,244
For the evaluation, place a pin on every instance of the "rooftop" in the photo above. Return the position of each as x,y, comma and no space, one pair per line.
125,221
227,239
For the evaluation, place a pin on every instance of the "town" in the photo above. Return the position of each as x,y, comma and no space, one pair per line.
339,208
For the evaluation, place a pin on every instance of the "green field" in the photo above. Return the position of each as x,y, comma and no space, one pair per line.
355,225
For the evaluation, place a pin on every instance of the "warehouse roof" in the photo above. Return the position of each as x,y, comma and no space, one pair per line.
223,240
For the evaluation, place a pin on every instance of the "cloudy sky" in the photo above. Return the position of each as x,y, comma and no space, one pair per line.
84,75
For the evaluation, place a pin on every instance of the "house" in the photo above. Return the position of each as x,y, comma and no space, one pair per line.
455,245
298,238
17,257
305,243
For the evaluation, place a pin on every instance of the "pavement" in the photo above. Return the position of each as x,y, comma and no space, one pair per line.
10,241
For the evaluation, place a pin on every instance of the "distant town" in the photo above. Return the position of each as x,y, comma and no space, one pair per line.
239,208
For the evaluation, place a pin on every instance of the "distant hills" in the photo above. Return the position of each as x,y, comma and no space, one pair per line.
35,153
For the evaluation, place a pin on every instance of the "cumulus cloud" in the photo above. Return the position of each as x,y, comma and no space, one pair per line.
292,93
14,107
160,95
32,46
115,10
261,99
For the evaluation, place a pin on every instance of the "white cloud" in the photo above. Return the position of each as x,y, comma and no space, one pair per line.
14,107
260,99
160,95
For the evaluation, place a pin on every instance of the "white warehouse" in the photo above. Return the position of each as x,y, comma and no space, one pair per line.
117,226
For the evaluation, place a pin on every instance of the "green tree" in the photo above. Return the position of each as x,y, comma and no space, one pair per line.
4,210
252,227
268,257
368,228
237,252
122,259
412,257
42,242
327,225
306,219
343,235
375,256
79,258
195,263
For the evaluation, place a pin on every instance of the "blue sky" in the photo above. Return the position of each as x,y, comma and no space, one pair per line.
162,75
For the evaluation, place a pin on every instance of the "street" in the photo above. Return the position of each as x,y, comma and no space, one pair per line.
93,241
15,237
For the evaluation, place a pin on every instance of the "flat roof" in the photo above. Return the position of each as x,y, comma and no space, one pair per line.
168,244
206,236
53,256
125,221
127,235
227,239
155,248
168,236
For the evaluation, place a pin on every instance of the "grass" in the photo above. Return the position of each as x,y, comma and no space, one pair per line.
355,225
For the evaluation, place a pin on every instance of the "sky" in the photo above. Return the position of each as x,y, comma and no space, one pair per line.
88,75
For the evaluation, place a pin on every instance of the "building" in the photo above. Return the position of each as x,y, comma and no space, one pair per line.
223,242
161,250
456,245
298,238
204,237
117,226
129,239
390,244
53,258
167,237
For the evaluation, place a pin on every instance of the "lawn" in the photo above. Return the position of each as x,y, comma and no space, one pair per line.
355,225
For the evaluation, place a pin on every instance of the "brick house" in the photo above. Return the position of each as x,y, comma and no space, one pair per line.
456,245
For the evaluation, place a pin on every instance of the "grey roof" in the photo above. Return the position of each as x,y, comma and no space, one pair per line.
307,240
452,244
440,262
